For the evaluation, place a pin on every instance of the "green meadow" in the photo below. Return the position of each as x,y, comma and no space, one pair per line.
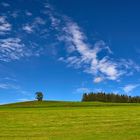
52,120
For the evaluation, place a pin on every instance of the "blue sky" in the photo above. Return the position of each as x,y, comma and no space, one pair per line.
64,48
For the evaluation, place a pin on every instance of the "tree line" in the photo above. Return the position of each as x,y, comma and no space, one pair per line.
110,97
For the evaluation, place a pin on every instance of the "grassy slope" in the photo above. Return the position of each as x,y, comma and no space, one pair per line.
69,121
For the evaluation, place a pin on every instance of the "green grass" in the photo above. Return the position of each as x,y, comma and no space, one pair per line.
69,121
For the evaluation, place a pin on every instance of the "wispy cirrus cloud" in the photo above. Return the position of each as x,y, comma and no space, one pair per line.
33,26
87,55
5,26
12,49
82,90
11,83
15,49
5,4
129,65
28,13
28,28
15,14
130,87
80,53
8,86
98,79
9,79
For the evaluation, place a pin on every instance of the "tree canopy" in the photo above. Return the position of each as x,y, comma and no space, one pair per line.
110,97
39,96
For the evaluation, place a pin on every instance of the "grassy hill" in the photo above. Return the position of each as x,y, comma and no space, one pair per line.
46,104
55,120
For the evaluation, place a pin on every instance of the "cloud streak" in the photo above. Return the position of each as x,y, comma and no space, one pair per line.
5,26
129,88
82,90
80,53
12,49
8,86
28,28
87,55
5,4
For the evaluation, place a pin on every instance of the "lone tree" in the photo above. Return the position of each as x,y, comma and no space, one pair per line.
39,96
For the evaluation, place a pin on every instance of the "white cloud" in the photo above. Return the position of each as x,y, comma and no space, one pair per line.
9,79
15,49
28,13
8,86
129,64
4,86
130,87
32,27
88,54
39,21
98,90
5,27
54,21
15,14
98,79
80,53
82,90
28,28
14,86
12,49
5,4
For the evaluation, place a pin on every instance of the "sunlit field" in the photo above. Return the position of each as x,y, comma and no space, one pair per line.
69,121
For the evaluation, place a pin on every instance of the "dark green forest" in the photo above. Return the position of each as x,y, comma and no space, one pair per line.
110,97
